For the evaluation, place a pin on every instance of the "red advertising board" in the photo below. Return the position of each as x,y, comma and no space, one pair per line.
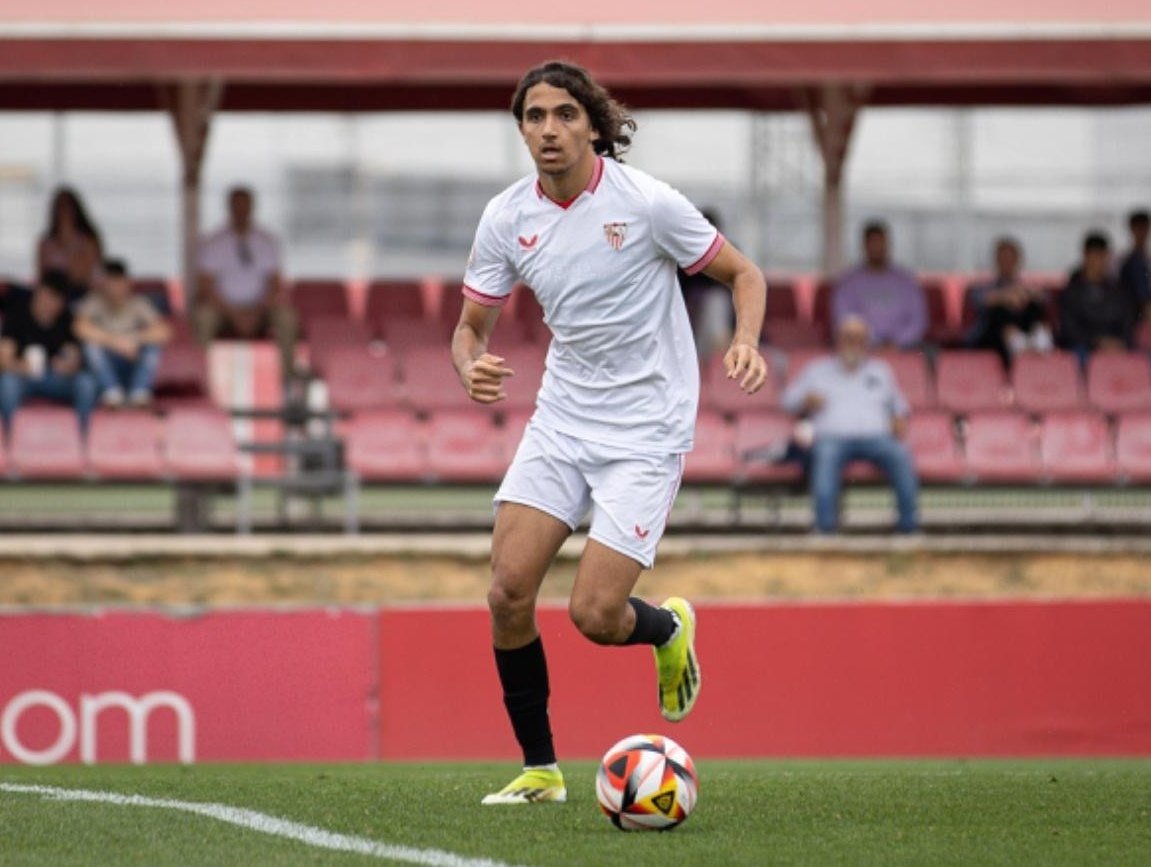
219,686
882,679
869,679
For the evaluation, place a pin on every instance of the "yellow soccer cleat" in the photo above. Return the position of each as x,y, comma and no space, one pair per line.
533,786
679,674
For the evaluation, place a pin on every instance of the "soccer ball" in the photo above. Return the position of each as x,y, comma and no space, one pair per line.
646,783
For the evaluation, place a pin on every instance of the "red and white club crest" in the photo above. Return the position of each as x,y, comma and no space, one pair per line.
615,233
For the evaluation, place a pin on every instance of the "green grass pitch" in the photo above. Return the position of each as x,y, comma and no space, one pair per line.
749,813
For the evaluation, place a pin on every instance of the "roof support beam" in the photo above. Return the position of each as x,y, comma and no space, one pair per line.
191,104
832,109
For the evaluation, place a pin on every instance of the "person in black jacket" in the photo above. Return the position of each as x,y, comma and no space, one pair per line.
1097,313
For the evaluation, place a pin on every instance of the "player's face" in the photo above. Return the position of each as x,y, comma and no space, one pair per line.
556,129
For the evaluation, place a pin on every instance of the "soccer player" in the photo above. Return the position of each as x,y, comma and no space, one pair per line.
598,242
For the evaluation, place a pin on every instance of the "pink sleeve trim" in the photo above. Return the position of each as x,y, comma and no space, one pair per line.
706,259
483,298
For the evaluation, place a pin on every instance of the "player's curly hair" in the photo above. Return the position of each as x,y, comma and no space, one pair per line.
608,117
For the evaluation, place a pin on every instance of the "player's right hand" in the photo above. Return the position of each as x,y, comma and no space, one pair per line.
484,378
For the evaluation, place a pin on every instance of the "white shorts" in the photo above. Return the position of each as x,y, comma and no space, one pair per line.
630,494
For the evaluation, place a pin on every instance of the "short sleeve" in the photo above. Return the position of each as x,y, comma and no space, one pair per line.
490,275
682,232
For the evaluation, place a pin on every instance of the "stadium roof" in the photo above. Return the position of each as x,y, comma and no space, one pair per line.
451,54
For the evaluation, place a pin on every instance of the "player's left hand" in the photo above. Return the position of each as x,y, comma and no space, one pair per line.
744,364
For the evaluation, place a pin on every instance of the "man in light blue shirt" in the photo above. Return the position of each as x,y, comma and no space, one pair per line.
857,413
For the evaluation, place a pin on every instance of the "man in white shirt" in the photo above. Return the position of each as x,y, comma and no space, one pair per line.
858,413
240,291
599,243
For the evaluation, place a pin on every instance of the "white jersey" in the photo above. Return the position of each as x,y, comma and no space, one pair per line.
621,368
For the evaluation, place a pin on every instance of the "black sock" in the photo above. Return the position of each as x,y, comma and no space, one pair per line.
652,625
524,677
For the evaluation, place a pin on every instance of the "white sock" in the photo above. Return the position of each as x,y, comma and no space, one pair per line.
552,767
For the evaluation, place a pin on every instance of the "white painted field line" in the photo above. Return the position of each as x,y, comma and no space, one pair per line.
253,820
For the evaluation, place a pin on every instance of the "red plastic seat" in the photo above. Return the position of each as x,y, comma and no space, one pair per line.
939,328
316,298
713,458
392,300
402,335
791,334
182,372
430,382
46,444
326,334
387,445
760,430
528,362
1118,382
912,376
970,382
1047,383
451,303
1133,447
724,395
359,378
529,317
466,446
1001,447
1077,447
821,310
199,445
125,445
934,448
781,301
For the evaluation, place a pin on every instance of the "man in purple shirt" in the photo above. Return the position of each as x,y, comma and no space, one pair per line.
888,298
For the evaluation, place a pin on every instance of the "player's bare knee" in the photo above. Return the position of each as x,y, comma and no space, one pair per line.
509,600
596,622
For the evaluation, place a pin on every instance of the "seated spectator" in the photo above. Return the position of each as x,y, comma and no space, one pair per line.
857,413
1097,312
1135,269
886,297
123,335
1012,315
240,292
709,306
71,244
39,355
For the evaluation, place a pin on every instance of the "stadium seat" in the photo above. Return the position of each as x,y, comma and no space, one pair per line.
782,303
430,382
183,372
466,446
1001,447
45,443
529,317
934,449
329,333
3,452
199,445
402,335
764,430
939,330
391,300
724,395
451,303
359,378
387,445
912,376
316,298
528,361
970,382
798,359
791,334
1118,383
713,458
155,289
125,446
1133,447
1077,447
1047,383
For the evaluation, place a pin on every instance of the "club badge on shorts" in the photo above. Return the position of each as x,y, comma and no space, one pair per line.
615,233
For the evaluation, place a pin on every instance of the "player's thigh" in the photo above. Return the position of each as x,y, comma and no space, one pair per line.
604,581
524,544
